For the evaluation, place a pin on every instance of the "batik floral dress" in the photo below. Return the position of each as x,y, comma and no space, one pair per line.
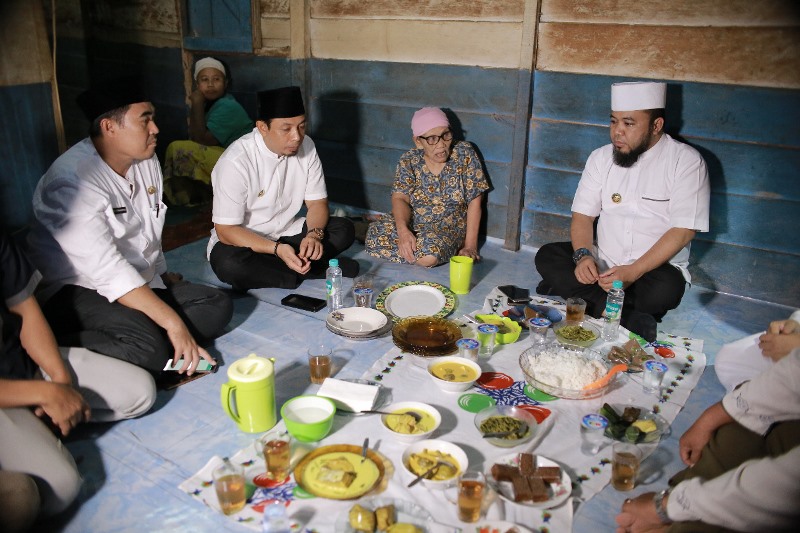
438,204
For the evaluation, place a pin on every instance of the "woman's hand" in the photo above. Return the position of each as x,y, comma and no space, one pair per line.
407,245
468,251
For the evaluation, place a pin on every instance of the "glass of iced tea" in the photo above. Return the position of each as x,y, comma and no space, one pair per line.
319,363
276,447
576,308
471,488
625,465
229,484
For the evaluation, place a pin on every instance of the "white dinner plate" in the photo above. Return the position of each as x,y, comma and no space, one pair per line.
405,511
356,321
559,491
415,300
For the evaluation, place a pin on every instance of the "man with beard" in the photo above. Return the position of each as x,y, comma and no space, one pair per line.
261,183
650,194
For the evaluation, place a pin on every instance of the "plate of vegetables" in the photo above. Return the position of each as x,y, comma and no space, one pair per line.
637,425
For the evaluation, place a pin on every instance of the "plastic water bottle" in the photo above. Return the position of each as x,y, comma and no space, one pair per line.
333,285
616,297
275,519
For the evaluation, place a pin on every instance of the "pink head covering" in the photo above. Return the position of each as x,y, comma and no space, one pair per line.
426,119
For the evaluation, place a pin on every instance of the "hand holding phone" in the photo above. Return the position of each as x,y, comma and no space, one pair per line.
202,366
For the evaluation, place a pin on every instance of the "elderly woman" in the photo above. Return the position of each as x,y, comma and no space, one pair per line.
216,120
436,198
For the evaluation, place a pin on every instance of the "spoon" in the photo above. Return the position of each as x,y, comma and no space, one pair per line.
429,471
416,416
364,450
521,430
605,379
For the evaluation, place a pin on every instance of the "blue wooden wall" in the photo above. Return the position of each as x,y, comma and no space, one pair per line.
360,114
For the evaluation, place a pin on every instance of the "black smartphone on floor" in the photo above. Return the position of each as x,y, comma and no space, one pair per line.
516,295
306,303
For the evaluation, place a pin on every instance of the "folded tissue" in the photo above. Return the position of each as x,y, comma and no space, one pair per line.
349,396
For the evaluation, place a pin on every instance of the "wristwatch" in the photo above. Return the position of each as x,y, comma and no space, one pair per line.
580,253
661,509
319,233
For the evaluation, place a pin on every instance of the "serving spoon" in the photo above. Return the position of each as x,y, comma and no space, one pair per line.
428,472
605,379
416,416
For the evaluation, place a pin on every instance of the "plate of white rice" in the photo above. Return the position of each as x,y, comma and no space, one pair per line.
563,371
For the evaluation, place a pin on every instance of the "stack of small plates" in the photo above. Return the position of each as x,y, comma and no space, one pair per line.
359,323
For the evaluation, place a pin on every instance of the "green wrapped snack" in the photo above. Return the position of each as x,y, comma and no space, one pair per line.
632,434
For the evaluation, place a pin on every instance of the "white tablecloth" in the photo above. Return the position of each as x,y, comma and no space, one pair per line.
559,438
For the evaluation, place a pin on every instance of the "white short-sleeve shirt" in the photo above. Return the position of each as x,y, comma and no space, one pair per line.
95,228
668,187
263,192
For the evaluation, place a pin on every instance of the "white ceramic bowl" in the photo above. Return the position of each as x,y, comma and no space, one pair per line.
441,446
416,406
356,320
453,386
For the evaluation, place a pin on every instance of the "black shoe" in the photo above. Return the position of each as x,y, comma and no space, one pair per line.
350,267
544,288
642,324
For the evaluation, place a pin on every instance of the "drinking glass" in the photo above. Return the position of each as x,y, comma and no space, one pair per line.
229,485
653,375
276,447
576,307
319,363
486,337
625,465
471,488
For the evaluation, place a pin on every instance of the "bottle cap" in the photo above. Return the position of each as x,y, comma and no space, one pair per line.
333,262
617,284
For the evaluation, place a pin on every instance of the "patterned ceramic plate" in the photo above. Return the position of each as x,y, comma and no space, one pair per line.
416,298
559,492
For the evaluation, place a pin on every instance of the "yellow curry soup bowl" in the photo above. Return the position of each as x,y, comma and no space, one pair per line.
509,329
453,373
432,449
397,425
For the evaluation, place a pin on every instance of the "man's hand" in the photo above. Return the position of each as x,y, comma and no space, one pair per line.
784,326
64,405
197,98
311,248
639,515
407,245
777,344
299,264
186,347
468,251
586,270
627,274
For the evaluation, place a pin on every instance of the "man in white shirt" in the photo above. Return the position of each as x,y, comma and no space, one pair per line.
650,195
261,183
743,457
97,241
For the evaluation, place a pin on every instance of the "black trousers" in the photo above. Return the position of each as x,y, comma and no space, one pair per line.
655,293
82,317
245,269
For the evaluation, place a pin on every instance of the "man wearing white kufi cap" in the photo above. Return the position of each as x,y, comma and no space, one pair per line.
650,194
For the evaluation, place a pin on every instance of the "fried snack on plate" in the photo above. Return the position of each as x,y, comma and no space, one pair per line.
385,517
362,519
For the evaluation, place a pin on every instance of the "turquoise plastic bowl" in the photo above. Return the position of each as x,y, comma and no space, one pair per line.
308,418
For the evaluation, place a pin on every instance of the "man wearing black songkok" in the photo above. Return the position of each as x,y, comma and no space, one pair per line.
261,183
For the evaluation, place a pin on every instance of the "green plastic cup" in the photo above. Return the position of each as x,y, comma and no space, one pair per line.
460,274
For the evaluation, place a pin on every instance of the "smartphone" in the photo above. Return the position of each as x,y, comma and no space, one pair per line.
516,295
202,366
306,303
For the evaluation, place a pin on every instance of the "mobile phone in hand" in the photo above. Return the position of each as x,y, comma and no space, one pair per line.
202,366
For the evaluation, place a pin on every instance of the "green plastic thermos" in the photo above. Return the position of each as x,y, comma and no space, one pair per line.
249,395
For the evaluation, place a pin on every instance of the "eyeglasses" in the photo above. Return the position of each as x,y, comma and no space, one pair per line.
434,139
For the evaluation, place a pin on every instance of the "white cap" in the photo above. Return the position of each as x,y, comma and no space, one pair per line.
208,62
635,96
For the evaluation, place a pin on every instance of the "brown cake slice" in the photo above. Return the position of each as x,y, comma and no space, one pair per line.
522,490
504,472
548,474
539,491
527,464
